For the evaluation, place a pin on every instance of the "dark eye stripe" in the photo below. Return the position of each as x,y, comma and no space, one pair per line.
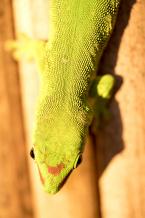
32,153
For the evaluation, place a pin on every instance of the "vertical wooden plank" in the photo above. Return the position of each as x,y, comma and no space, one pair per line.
31,17
115,171
121,146
15,197
80,191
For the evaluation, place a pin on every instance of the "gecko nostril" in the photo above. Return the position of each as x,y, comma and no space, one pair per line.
32,153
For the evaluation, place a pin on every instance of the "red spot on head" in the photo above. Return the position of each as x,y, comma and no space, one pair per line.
55,170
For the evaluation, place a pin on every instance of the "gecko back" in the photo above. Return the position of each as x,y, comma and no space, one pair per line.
79,32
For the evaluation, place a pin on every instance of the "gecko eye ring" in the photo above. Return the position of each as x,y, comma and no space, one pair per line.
32,153
78,161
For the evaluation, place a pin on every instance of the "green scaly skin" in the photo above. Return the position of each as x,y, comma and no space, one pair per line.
79,32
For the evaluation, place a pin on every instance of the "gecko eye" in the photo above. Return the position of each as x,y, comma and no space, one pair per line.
78,161
32,153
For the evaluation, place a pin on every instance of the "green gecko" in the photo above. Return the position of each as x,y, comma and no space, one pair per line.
69,90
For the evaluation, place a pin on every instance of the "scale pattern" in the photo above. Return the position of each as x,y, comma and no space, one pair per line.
79,32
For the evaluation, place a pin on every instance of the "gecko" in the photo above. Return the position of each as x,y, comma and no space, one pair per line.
70,94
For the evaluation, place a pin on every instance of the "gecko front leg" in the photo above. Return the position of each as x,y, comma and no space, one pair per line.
28,49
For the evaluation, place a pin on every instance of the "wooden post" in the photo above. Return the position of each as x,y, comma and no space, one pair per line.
80,191
121,145
15,197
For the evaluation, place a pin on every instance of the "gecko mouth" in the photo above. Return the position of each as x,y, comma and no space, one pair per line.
41,177
55,171
64,181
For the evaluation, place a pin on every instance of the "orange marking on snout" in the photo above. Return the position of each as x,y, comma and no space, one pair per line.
55,170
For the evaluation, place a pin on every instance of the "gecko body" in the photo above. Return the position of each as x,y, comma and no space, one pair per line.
79,32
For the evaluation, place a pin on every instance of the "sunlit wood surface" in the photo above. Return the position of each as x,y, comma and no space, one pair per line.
15,198
121,145
114,187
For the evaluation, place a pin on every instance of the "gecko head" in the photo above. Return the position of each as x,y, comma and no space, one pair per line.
55,165
58,147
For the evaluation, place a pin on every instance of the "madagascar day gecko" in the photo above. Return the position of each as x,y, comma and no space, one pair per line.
68,61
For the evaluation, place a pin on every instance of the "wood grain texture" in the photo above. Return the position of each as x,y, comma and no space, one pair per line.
80,191
121,145
15,198
120,150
